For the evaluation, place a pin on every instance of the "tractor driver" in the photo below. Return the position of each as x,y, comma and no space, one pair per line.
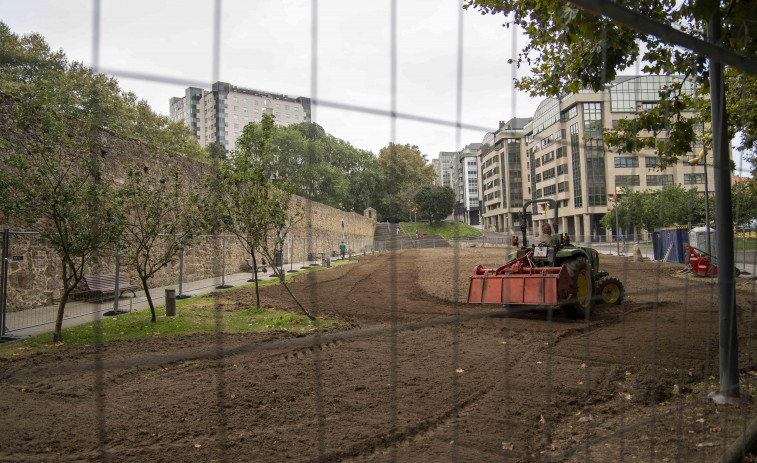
546,235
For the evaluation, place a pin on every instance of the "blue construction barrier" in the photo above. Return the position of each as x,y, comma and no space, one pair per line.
671,238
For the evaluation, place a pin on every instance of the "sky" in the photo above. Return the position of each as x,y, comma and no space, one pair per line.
158,48
267,45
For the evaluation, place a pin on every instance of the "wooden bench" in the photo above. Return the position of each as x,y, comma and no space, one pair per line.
261,265
106,284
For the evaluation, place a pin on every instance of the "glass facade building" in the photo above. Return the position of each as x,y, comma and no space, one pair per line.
560,154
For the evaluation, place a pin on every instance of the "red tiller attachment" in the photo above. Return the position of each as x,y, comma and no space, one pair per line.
701,263
519,281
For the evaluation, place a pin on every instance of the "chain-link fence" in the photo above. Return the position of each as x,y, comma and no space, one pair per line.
32,283
410,372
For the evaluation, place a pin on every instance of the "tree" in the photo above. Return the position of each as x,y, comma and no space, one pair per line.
216,150
323,168
435,202
160,220
744,199
27,65
50,180
249,205
569,50
649,210
405,171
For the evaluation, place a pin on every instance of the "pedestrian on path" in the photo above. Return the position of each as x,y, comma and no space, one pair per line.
398,231
342,248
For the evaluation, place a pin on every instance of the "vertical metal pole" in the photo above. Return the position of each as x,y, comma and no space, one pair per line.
4,282
223,260
181,275
617,227
304,251
728,342
118,275
706,202
223,284
291,255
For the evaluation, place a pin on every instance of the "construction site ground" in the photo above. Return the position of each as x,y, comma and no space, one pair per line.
524,386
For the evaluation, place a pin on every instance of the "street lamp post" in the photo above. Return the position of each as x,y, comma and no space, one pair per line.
703,157
617,221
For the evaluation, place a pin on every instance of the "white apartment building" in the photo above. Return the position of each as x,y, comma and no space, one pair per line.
502,177
219,115
563,157
446,169
467,208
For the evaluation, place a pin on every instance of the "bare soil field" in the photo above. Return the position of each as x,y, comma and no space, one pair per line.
451,382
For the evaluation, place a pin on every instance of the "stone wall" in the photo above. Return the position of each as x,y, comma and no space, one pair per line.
35,280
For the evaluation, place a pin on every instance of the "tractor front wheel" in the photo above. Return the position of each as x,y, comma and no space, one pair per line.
610,290
581,288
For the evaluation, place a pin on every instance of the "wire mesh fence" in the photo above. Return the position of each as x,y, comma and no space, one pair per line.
413,373
32,276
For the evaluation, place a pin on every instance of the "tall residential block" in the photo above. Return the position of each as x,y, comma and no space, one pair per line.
220,114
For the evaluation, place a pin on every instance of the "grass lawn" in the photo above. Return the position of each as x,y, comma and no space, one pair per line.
194,315
448,230
741,244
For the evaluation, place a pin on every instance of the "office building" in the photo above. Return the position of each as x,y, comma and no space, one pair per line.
563,157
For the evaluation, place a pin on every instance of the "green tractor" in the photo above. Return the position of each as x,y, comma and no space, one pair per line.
547,273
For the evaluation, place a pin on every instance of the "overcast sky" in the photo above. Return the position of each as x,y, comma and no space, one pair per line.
266,45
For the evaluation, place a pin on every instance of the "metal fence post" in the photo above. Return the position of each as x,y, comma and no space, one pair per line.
291,255
223,284
115,310
181,294
4,282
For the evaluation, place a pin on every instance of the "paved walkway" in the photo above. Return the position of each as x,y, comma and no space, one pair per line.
42,320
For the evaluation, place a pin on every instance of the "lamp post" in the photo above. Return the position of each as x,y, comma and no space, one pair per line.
703,157
617,220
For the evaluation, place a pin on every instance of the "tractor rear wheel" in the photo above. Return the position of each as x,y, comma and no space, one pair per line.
610,290
581,288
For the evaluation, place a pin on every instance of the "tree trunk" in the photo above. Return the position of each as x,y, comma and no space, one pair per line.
255,273
67,288
149,300
57,333
283,283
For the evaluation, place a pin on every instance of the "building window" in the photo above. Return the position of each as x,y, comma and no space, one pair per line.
561,152
659,180
549,190
549,157
575,145
627,161
693,179
651,162
549,173
562,169
538,178
538,194
562,186
569,113
627,180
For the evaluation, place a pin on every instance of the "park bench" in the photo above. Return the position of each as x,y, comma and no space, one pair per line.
106,284
261,265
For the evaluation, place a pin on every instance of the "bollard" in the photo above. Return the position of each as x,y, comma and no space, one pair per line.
170,302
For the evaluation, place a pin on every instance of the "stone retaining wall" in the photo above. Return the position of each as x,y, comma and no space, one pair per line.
35,280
